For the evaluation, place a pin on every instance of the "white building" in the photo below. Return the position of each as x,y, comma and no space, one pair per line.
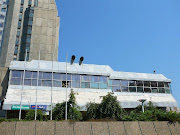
91,82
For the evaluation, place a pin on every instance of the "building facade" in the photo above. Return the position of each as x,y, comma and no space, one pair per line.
3,12
32,26
91,82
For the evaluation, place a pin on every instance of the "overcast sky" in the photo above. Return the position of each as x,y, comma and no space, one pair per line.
128,35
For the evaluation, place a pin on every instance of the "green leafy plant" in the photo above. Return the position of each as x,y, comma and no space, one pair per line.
73,112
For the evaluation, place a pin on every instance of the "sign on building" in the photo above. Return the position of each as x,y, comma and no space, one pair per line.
41,107
17,107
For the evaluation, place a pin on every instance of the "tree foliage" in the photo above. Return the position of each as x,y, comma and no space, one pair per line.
31,114
108,108
73,112
152,113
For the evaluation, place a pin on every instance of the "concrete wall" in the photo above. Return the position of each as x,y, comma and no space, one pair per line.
4,77
45,31
89,128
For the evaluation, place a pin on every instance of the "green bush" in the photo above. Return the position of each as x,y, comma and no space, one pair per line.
2,119
73,112
30,115
108,108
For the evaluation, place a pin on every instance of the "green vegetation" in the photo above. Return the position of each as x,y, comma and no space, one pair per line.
31,114
152,113
72,109
108,108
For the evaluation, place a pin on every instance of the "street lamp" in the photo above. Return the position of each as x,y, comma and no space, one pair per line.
142,101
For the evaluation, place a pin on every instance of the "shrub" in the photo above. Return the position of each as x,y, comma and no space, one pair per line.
30,115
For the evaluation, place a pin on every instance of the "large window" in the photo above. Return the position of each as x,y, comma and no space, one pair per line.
88,81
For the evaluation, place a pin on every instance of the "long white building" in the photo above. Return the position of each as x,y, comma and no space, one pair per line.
91,82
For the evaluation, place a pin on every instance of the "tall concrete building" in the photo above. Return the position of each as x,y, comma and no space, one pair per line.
3,11
32,25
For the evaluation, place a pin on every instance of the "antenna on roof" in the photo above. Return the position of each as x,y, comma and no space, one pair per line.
73,57
81,60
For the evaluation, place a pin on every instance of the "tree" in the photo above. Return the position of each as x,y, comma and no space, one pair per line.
73,112
31,114
108,108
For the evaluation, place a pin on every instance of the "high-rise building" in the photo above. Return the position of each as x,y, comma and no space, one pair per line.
31,25
3,11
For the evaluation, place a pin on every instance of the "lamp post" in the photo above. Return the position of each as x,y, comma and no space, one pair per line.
142,101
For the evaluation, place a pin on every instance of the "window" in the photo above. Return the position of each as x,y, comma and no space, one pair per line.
20,16
28,74
85,85
19,25
68,84
161,90
1,24
147,84
147,90
124,83
30,2
85,77
116,89
3,9
153,84
22,2
139,83
132,83
94,85
47,83
17,74
15,81
21,9
154,90
76,84
132,89
140,89
1,32
2,17
124,89
56,83
64,77
57,76
47,76
103,85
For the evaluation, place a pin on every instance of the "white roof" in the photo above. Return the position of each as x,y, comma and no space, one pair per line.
90,69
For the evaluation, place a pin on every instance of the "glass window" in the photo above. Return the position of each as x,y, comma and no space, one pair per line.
147,84
28,74
103,85
124,89
154,90
47,83
76,84
1,32
116,89
85,78
64,77
18,32
3,9
85,85
76,78
124,83
21,9
116,82
161,90
132,83
17,73
94,85
30,22
31,15
1,24
147,90
56,83
27,82
34,82
132,89
1,17
68,84
47,76
40,75
110,82
19,25
167,90
160,84
15,81
103,79
57,76
153,84
20,16
111,88
22,2
166,84
140,89
139,83
34,74
94,78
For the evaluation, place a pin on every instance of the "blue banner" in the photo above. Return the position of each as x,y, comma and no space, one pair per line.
41,107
